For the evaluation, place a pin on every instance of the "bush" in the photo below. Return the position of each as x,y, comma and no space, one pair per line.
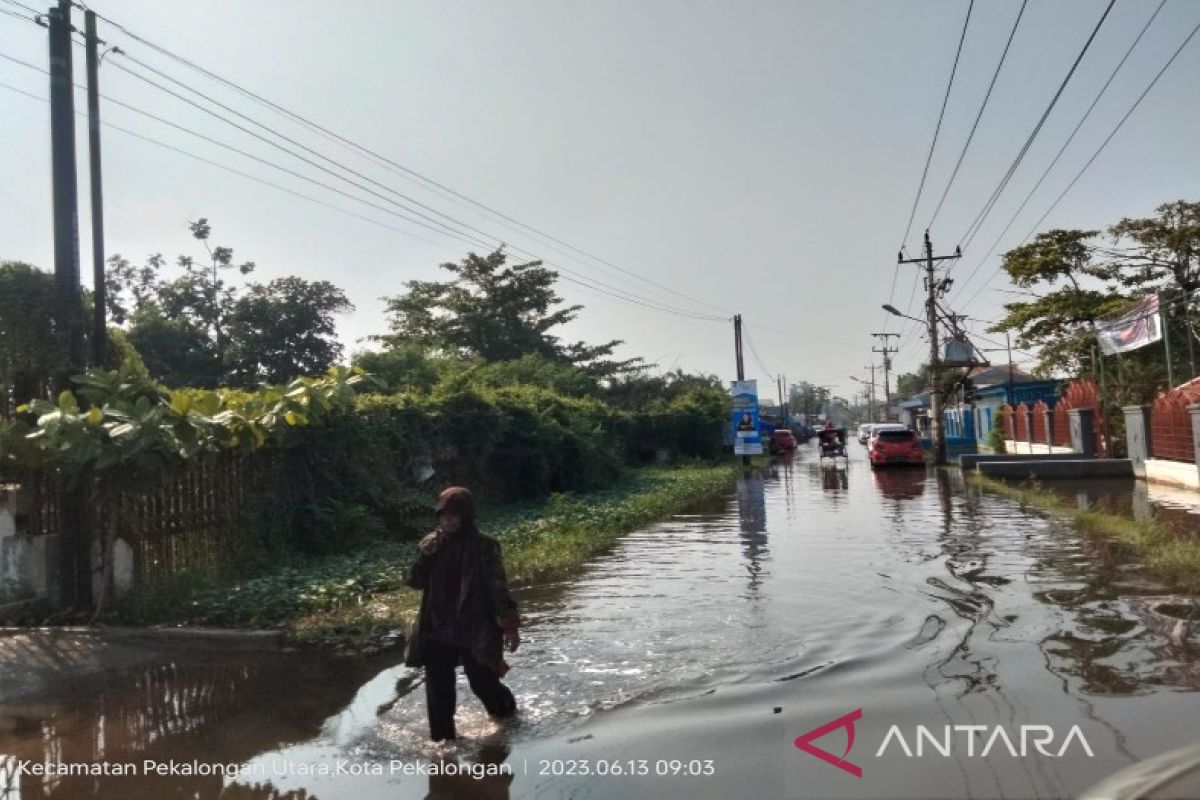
995,440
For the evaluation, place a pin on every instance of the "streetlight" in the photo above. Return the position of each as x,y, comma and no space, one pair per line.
896,312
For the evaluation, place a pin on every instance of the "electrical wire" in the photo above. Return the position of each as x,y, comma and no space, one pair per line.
1086,115
429,221
1100,149
981,217
595,285
975,125
754,354
391,165
937,129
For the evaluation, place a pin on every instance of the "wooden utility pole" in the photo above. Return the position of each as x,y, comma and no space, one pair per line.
887,368
934,288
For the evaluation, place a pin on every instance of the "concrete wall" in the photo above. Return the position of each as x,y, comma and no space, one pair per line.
1173,473
1035,448
27,563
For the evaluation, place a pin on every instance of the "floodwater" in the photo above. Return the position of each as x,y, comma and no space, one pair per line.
897,606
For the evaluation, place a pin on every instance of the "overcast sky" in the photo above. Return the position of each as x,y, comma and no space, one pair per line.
761,157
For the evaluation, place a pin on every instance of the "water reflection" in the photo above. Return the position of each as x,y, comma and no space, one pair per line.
899,484
752,515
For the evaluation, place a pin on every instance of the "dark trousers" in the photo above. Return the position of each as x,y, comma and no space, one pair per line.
440,696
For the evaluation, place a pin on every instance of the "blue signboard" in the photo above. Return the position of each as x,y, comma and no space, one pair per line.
747,441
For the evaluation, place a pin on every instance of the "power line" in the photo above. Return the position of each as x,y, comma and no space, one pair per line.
965,240
937,129
754,355
1086,115
581,280
602,288
986,96
428,219
1103,144
388,163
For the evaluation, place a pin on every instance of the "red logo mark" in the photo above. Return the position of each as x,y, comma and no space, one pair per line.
805,742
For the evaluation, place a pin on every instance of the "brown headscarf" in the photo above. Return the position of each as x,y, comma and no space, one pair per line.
450,569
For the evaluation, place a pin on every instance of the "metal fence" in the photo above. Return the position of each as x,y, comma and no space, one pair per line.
1171,425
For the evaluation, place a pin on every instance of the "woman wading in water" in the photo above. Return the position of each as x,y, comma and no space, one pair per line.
467,615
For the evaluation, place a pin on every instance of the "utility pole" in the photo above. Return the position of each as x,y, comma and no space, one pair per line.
887,369
934,288
75,589
871,396
1008,347
737,346
99,294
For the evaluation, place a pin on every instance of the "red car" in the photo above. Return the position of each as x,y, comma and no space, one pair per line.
895,447
782,439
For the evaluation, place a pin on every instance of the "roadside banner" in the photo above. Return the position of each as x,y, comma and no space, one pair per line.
1138,327
746,439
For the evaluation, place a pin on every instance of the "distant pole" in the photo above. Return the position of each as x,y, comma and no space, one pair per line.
737,346
887,368
1008,347
1166,335
99,294
741,370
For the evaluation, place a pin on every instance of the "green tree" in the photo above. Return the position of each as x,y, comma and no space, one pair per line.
1159,252
494,311
912,383
195,328
1075,293
282,329
29,352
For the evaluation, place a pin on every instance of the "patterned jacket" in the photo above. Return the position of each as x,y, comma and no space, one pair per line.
483,595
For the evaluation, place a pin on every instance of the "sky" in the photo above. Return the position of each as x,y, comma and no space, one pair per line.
758,157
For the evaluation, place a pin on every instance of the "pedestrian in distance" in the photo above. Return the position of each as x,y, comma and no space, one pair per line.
467,615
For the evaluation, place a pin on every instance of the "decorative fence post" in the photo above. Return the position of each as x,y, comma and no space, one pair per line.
1083,431
1027,412
1137,437
1047,427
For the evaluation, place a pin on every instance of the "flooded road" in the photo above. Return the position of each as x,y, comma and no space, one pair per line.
897,606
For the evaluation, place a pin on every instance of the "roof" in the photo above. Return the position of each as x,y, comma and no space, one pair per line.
998,374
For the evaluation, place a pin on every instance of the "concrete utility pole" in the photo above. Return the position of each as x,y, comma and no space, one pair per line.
887,368
99,295
871,388
75,584
737,346
935,288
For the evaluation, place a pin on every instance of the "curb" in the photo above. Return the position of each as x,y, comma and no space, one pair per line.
228,638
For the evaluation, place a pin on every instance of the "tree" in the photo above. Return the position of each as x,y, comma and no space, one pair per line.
195,328
29,351
492,311
1161,251
1060,322
913,383
282,329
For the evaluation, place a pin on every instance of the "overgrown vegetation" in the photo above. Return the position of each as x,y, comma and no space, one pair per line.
360,598
1172,557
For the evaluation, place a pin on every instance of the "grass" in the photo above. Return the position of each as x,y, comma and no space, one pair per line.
359,600
1168,555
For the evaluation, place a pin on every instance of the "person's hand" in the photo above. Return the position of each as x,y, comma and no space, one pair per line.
429,544
512,638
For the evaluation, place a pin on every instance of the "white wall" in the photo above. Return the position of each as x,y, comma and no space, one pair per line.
1173,473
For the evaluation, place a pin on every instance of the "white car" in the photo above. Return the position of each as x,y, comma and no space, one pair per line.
864,432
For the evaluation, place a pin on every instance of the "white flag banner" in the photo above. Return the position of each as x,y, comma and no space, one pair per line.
1136,328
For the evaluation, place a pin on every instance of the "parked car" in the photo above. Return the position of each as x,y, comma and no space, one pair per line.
890,446
864,432
781,440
